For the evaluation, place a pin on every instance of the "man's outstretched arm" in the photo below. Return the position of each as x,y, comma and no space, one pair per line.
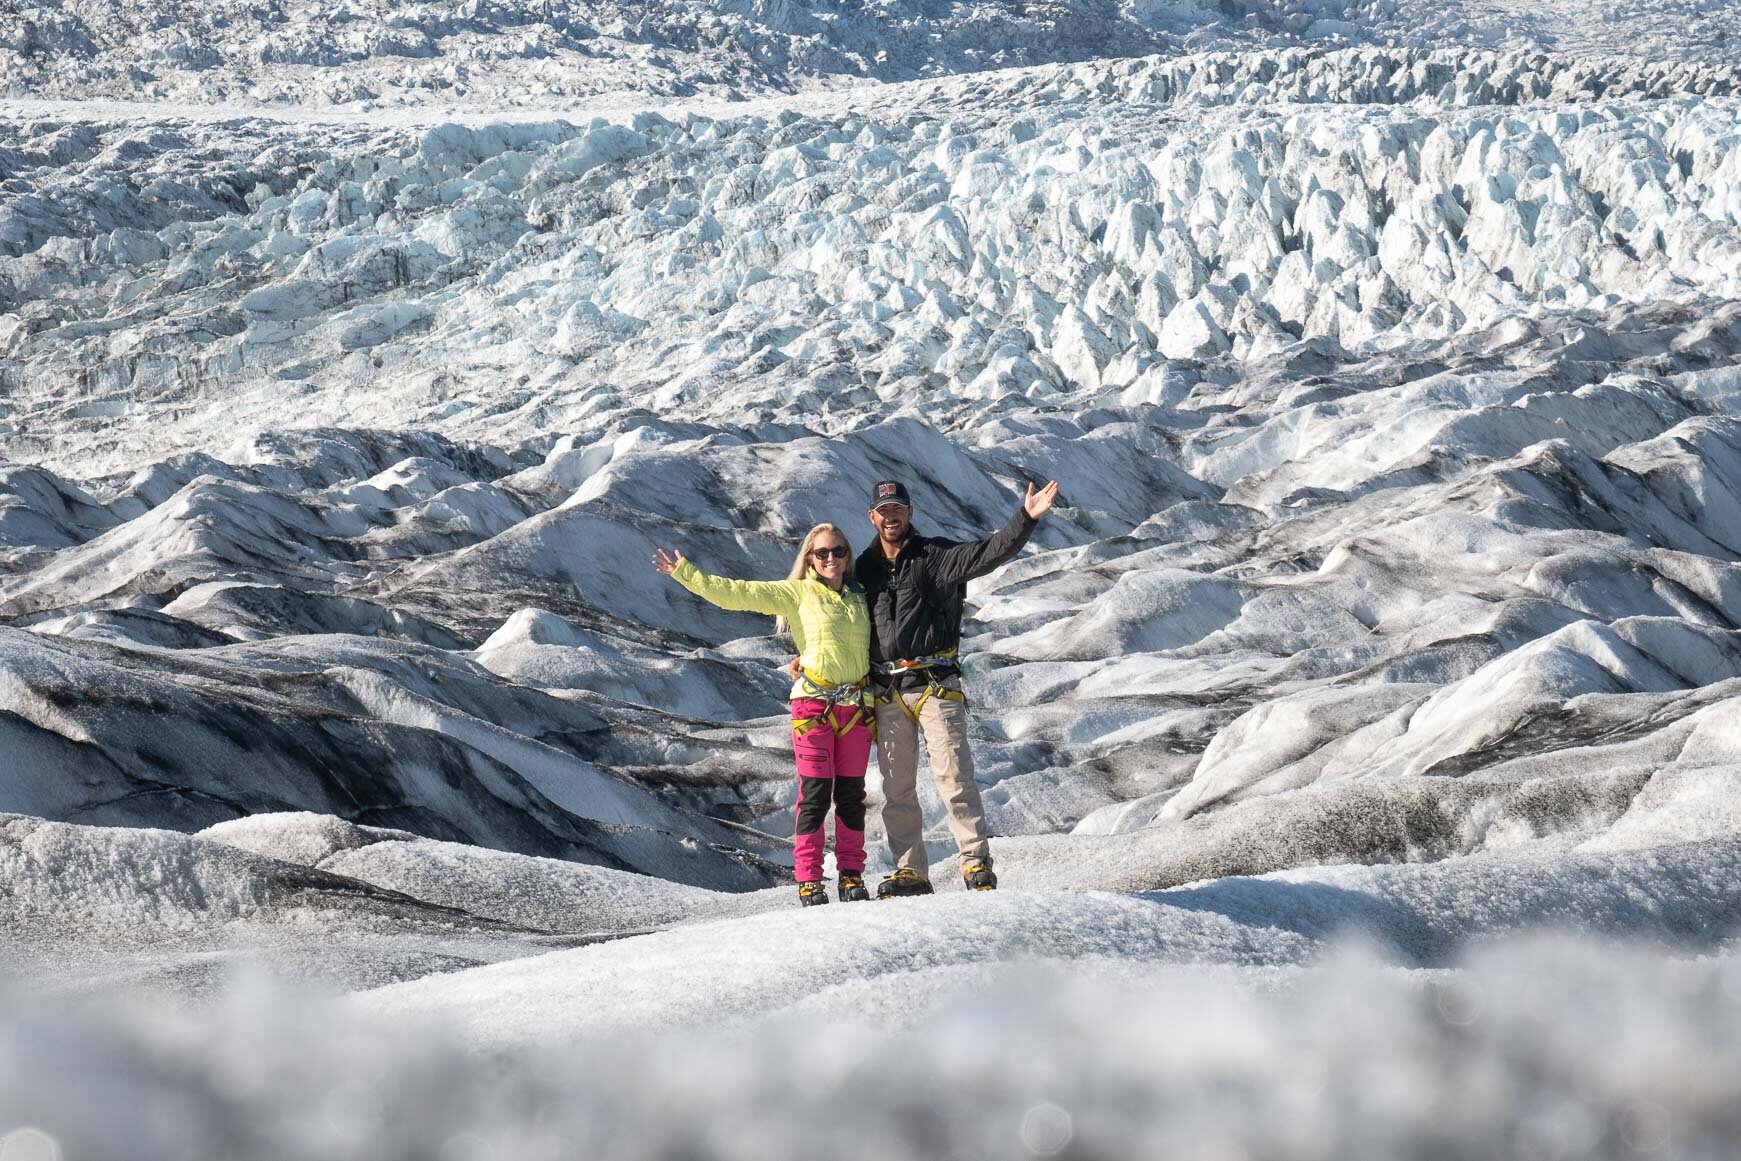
960,563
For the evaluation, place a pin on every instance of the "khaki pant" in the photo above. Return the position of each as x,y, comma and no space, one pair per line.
945,725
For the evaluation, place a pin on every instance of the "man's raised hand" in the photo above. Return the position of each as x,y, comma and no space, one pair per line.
666,562
1039,503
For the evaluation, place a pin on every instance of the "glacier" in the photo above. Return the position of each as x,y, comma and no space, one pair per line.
1361,735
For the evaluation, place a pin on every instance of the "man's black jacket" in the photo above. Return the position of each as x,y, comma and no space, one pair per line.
915,599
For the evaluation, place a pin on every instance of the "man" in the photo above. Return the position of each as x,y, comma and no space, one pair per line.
916,586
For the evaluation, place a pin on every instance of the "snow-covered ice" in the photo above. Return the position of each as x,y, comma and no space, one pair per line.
1546,1049
1362,732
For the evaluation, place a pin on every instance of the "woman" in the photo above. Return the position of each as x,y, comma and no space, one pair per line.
832,719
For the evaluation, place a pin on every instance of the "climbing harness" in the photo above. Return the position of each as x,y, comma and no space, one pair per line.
831,695
945,661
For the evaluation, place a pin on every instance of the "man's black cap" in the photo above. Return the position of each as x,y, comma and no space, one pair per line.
889,492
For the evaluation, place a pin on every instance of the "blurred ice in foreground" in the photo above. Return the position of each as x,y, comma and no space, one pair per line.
1531,1048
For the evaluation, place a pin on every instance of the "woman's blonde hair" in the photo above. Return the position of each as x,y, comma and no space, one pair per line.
801,566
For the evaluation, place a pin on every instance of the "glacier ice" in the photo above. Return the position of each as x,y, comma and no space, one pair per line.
352,362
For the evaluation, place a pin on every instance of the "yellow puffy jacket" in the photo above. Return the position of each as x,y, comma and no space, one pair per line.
832,630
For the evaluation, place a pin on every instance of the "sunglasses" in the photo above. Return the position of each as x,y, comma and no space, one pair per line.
828,553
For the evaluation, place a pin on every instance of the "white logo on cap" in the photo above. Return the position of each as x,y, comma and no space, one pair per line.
886,490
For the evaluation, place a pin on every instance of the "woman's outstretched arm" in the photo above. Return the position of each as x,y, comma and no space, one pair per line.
775,598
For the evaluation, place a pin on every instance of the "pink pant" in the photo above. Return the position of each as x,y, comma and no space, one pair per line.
830,769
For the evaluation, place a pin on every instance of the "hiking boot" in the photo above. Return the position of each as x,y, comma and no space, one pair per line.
979,876
903,882
852,888
813,893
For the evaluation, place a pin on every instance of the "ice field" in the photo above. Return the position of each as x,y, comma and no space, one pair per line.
1361,734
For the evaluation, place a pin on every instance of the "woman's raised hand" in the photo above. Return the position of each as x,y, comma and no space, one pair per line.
666,562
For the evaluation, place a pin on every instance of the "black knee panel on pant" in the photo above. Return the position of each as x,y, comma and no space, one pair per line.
813,796
849,802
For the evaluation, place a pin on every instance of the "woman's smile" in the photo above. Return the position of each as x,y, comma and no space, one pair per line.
829,559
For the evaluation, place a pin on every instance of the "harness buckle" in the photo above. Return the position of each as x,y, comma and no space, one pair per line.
933,687
833,696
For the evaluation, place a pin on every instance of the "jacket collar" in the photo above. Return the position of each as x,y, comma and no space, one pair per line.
851,586
911,546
